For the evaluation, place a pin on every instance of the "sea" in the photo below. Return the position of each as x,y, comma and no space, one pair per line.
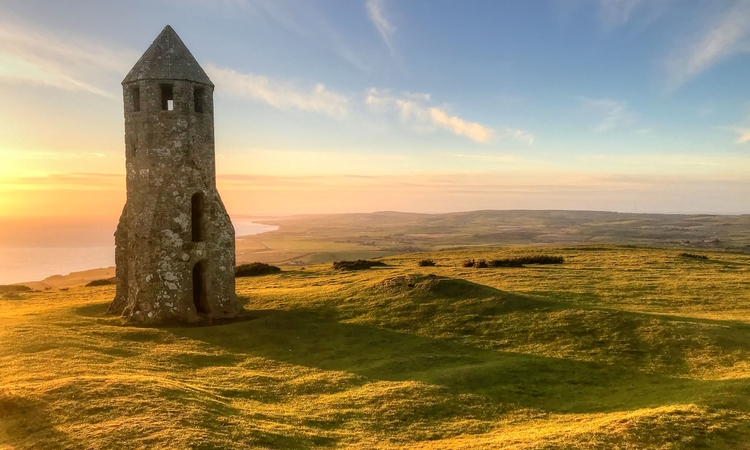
19,264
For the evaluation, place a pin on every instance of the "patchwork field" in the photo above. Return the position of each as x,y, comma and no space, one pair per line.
619,347
333,237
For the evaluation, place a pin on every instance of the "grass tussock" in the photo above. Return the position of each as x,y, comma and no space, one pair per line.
359,264
620,348
255,269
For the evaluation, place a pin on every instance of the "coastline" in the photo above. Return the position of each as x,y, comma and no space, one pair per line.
58,267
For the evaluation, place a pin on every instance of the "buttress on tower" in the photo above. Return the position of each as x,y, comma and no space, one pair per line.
174,242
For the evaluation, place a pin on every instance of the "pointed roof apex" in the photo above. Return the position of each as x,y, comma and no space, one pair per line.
167,59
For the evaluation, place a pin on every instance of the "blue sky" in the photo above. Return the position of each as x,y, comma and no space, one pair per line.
418,105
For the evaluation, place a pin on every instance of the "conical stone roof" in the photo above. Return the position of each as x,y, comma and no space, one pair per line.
167,59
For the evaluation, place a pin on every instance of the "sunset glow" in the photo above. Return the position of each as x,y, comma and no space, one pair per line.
385,105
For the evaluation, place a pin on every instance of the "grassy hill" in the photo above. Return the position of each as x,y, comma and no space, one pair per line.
325,238
619,347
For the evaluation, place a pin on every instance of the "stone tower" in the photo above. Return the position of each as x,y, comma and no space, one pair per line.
174,242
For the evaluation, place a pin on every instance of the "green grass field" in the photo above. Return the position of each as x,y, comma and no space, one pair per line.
620,347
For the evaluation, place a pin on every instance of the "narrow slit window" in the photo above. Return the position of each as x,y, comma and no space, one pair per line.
196,216
167,98
198,94
136,99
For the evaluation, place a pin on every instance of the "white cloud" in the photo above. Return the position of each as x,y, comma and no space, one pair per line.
277,93
414,108
386,29
75,63
615,114
727,36
472,130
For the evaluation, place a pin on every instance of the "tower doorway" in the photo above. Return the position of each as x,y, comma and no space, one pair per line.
199,288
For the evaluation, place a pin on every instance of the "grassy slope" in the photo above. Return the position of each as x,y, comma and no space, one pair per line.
618,348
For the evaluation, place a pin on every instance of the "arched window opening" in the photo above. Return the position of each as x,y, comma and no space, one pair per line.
136,99
198,95
167,97
199,288
196,209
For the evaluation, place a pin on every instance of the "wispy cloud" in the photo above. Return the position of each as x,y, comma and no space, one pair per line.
516,134
743,135
62,181
304,20
614,114
386,29
616,12
724,37
458,126
668,163
76,63
740,128
415,108
495,189
278,93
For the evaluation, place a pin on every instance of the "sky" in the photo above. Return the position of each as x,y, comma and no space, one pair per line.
332,106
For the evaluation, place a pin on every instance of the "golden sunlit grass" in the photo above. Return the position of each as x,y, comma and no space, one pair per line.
617,348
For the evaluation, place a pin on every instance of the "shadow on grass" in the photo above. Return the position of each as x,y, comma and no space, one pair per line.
320,339
27,423
553,384
93,309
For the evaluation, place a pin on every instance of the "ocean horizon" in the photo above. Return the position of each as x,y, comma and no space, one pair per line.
27,264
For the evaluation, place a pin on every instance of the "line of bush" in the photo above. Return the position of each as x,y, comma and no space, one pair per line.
102,282
255,269
693,255
360,264
13,288
518,261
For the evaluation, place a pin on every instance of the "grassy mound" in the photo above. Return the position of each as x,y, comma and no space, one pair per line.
619,348
433,285
255,269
